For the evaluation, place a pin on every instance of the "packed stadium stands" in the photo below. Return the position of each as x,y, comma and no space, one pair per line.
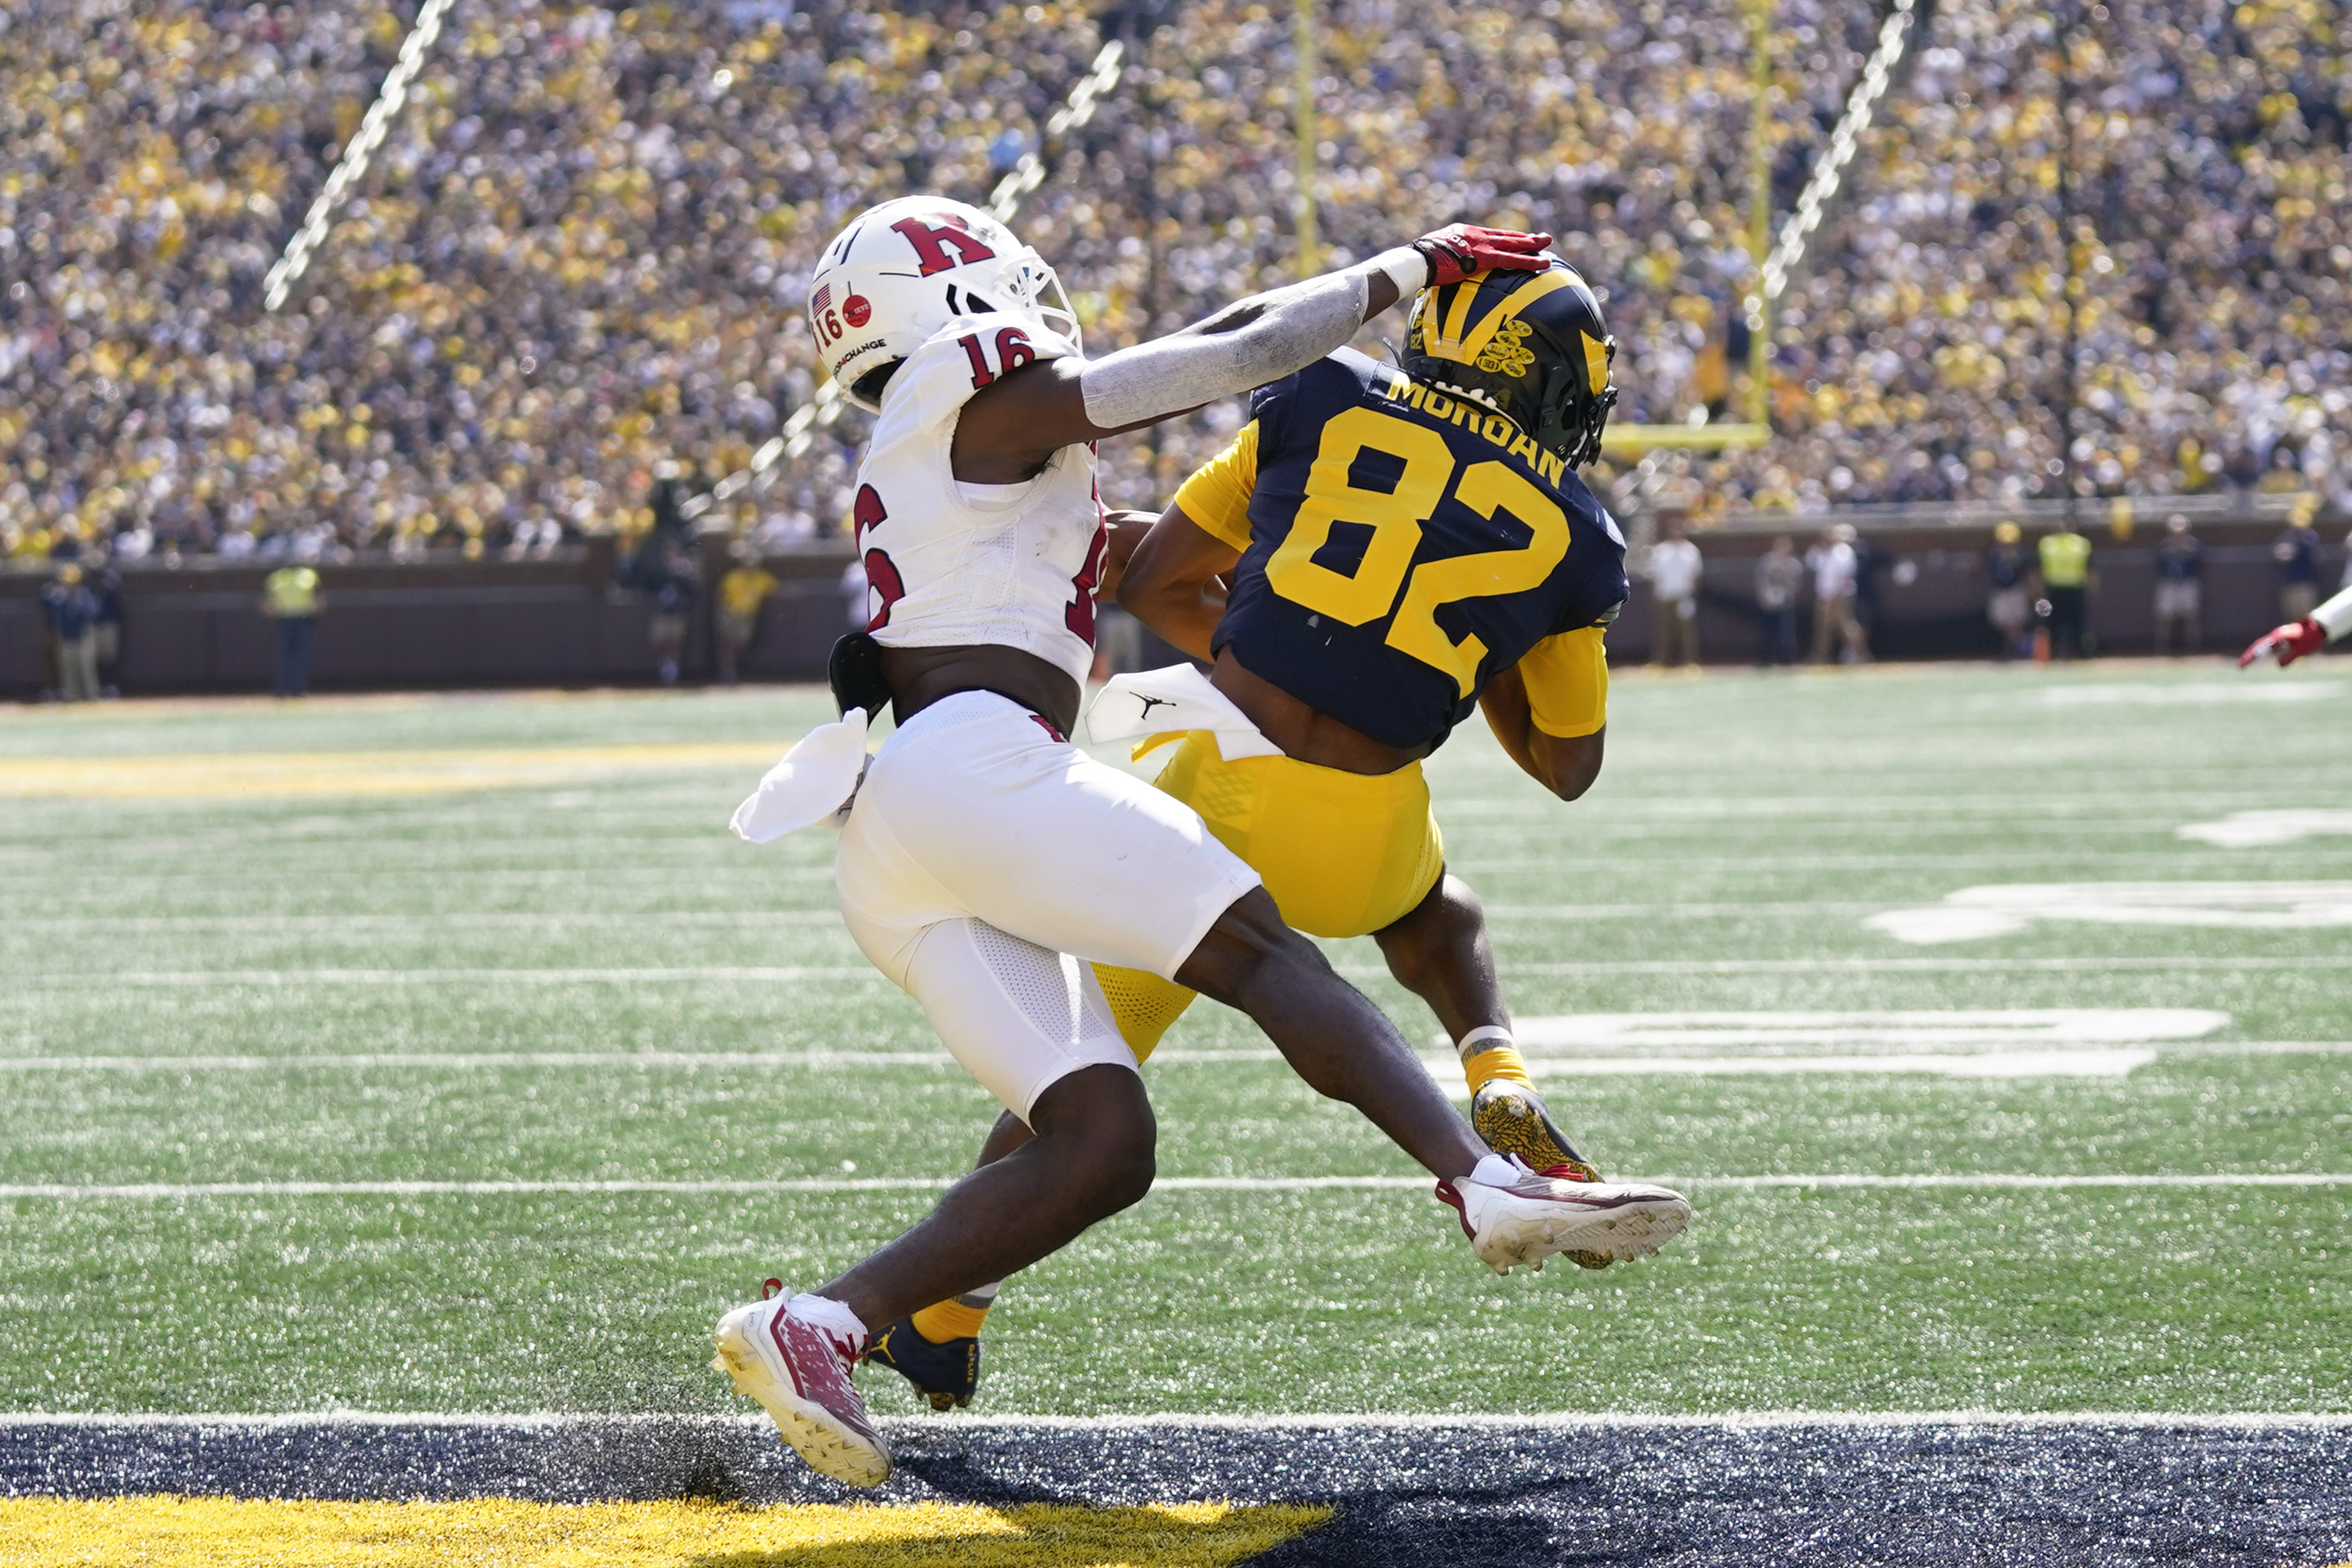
581,252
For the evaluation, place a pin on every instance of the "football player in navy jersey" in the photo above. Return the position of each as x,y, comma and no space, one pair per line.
1376,554
1377,551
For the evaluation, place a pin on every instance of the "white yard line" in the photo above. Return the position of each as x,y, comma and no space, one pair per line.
734,918
2181,964
1442,1067
467,1061
1574,1420
169,1191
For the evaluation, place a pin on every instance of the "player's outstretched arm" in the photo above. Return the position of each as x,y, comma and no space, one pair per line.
2308,636
1566,766
1174,582
1012,427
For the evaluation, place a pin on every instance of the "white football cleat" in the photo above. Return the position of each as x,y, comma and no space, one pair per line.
799,1370
1536,1216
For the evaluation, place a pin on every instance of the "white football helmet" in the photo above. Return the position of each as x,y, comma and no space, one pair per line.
902,270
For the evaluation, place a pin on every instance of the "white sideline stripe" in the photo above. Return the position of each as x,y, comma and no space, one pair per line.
1991,1181
1994,1065
1597,967
475,1060
1574,1420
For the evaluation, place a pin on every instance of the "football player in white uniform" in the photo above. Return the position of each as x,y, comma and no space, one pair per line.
986,862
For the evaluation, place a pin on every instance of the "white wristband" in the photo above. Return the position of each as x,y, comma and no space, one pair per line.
1406,267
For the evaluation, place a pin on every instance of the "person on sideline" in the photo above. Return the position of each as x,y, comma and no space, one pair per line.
2297,554
2066,583
1836,569
71,611
2009,605
1673,574
1779,577
742,592
2179,590
291,598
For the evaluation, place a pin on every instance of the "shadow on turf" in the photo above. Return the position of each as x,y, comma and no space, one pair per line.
1480,1528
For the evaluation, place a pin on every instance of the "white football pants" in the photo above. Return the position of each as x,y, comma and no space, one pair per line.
985,857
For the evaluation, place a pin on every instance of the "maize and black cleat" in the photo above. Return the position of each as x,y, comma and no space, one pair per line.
1511,1118
945,1373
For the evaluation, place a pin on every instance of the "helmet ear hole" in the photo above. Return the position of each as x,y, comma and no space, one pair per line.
979,306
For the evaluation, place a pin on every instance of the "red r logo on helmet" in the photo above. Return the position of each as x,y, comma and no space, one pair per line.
932,245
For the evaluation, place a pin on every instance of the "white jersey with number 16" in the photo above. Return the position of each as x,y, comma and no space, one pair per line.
953,564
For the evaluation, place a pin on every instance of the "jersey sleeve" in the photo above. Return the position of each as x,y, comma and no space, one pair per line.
1567,683
1217,496
965,357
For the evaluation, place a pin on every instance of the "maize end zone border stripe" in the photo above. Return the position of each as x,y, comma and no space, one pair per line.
2242,1491
171,1190
217,1529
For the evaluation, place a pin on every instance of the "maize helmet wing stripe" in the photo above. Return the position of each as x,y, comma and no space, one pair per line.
1532,346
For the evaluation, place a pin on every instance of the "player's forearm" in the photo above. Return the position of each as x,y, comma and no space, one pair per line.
1184,612
1504,700
1248,344
1566,766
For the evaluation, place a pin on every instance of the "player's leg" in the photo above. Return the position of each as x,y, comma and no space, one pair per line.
1031,1025
1441,954
1345,1049
1332,1037
937,1348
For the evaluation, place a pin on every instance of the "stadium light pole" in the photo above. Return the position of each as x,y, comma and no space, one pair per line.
1302,44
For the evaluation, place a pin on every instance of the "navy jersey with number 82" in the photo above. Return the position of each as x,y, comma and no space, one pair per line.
1401,547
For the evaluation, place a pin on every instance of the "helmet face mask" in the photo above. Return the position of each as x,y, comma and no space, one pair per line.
1530,346
901,271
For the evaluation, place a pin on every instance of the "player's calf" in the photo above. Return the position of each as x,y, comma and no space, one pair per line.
1343,1047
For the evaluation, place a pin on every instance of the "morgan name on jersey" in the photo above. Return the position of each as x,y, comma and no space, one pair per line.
949,562
1403,545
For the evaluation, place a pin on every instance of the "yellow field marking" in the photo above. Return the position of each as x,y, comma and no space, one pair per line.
216,1533
277,774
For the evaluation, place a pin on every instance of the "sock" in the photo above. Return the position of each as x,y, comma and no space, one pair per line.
825,1312
957,1319
1487,1053
1497,1171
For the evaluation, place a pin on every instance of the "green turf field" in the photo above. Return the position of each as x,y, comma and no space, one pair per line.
492,954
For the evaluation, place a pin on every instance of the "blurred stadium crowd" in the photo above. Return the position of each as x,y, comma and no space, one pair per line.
582,253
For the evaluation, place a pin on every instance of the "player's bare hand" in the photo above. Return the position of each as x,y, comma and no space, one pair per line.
2286,644
1459,250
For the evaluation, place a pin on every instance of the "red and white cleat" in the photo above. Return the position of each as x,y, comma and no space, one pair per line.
794,1355
1532,1217
2295,640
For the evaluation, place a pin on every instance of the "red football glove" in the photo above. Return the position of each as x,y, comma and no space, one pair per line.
2286,644
1459,250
